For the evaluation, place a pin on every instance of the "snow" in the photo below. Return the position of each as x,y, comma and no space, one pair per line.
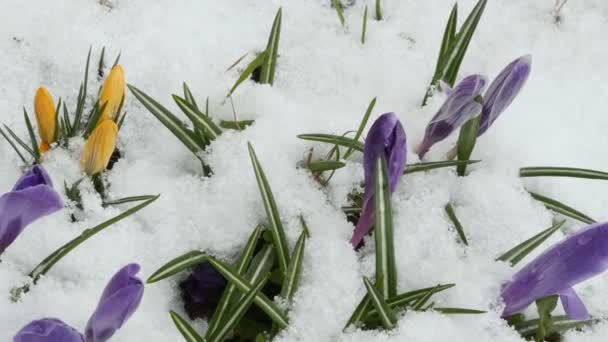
324,81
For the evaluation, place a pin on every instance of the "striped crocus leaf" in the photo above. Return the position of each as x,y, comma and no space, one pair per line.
325,165
452,215
256,63
334,140
362,125
404,300
561,208
426,166
466,142
292,277
552,171
386,314
517,253
200,120
383,232
187,331
268,67
178,265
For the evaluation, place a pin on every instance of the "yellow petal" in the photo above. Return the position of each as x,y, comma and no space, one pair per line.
112,93
45,115
99,148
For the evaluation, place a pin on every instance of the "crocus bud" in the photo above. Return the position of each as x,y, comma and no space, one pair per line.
203,289
386,136
48,330
574,260
32,197
503,90
112,92
99,148
460,106
118,302
46,117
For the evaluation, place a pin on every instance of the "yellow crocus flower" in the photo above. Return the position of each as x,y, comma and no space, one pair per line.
45,115
112,93
99,148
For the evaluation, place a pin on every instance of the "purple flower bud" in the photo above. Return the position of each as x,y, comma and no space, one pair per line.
574,260
503,90
118,302
386,136
202,290
458,108
32,197
48,330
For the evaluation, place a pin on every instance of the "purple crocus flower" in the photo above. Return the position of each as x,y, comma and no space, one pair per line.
503,90
118,302
387,137
574,260
205,285
460,106
31,198
47,330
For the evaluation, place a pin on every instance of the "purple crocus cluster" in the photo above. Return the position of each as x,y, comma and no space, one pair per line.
118,302
465,102
386,137
567,263
32,197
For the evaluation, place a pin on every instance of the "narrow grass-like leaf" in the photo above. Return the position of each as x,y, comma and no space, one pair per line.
185,135
182,263
388,317
13,146
419,167
187,331
551,171
188,95
334,140
360,313
265,304
22,143
261,264
362,125
339,10
383,232
364,28
466,142
239,311
122,120
325,165
561,208
256,63
378,10
453,59
403,300
419,304
229,294
452,215
199,119
517,253
559,324
272,50
458,311
127,200
101,64
62,251
294,270
30,131
236,125
93,119
57,131
81,99
272,213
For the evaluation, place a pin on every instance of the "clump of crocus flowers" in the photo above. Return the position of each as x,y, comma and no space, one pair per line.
118,302
386,137
32,197
465,102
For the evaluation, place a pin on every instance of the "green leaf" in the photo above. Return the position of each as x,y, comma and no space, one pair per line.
33,140
93,119
46,264
364,28
458,311
359,315
466,142
517,253
453,59
177,265
127,200
419,167
230,293
403,300
199,119
333,139
559,324
101,64
325,165
236,125
378,10
551,171
185,135
272,213
272,49
261,264
81,99
188,96
353,143
418,305
561,208
187,331
339,11
13,146
388,317
294,270
256,63
545,307
239,311
452,215
265,304
383,232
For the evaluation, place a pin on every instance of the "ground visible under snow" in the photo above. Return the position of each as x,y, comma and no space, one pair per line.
324,81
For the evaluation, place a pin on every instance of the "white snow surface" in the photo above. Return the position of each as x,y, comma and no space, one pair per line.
325,78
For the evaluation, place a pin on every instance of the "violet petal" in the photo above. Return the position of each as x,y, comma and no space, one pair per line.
47,330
